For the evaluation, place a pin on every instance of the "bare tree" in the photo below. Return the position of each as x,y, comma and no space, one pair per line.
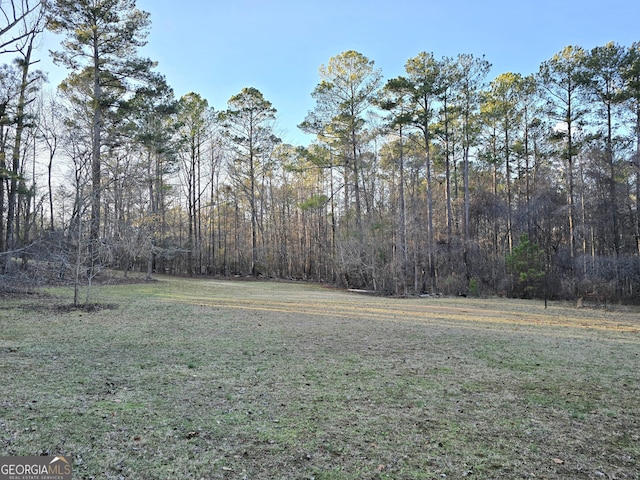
28,84
20,20
32,24
49,130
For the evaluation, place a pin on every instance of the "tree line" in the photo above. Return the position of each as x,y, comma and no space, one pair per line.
438,181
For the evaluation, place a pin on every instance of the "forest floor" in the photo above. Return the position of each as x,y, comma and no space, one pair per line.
207,379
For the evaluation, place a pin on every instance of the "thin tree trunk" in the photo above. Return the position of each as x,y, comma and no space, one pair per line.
50,189
356,179
3,165
96,166
572,241
12,199
430,233
254,213
507,158
403,221
638,177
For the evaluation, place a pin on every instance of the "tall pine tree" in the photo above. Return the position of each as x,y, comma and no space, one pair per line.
101,41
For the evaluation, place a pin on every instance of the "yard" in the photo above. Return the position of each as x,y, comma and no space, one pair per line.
208,379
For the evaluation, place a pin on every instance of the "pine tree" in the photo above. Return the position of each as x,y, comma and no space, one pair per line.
101,39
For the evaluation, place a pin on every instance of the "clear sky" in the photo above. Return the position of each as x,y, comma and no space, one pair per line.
217,47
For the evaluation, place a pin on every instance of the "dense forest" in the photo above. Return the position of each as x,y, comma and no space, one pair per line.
441,181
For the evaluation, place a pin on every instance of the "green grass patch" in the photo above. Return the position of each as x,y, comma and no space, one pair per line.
211,379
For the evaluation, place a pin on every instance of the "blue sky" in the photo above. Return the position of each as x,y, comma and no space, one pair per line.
217,47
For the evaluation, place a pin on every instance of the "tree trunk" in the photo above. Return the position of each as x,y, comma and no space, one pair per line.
638,178
404,259
254,214
96,165
507,159
12,198
430,233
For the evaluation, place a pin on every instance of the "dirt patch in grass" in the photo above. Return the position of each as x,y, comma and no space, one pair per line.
52,308
85,307
213,379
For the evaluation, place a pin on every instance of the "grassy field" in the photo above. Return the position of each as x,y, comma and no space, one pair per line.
207,379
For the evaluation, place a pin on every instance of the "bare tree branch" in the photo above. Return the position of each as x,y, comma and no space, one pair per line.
27,13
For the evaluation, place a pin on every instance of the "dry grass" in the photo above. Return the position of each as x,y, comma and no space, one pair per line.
208,379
